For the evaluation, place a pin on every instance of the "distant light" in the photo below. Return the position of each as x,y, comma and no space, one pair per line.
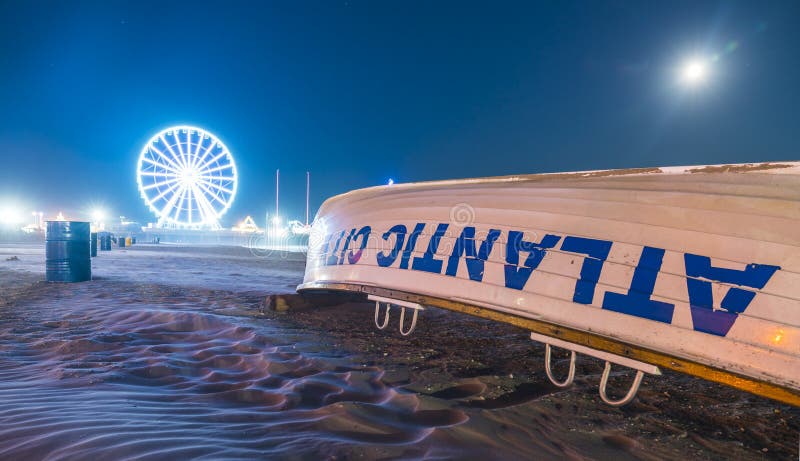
694,72
10,216
391,181
98,215
277,232
276,220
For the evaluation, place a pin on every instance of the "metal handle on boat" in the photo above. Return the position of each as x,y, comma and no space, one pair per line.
403,306
570,375
386,319
413,321
640,367
631,392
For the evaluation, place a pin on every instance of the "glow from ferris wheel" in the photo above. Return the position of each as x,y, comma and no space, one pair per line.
187,177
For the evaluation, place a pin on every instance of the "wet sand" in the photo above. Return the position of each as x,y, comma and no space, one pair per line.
171,353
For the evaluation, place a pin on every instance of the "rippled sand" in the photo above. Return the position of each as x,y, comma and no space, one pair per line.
169,354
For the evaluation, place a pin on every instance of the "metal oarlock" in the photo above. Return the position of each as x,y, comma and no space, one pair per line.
570,374
413,321
386,319
631,392
403,306
640,367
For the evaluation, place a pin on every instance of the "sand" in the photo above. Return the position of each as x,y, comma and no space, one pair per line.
171,353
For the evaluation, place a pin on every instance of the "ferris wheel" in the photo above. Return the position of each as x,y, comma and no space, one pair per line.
187,177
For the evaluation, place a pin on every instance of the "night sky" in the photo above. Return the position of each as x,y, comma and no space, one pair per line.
360,92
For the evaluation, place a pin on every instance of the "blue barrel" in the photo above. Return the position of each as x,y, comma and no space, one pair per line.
68,252
121,242
105,241
94,244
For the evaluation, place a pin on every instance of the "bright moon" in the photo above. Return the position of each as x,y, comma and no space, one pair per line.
694,72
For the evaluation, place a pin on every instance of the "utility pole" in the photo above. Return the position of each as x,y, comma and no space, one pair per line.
308,189
277,192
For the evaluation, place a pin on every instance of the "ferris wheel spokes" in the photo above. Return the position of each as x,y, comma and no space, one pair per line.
159,184
201,158
164,156
196,154
181,204
217,168
166,192
217,186
177,158
171,202
211,162
159,174
160,165
217,178
189,205
185,153
213,195
206,209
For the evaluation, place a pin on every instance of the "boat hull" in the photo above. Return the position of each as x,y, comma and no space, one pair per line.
698,264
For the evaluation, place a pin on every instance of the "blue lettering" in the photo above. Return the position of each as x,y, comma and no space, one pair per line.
332,258
465,244
597,252
324,251
344,247
427,262
701,302
387,260
364,232
517,277
637,302
412,242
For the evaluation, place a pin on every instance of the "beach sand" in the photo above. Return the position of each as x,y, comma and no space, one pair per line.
171,352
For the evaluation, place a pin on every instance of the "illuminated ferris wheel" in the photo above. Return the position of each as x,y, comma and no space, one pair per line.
187,177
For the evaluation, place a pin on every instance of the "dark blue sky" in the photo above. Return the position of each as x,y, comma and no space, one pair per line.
357,92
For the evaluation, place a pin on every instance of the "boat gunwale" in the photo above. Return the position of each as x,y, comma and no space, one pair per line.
773,167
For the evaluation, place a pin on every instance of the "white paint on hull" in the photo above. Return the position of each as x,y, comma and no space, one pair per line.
732,231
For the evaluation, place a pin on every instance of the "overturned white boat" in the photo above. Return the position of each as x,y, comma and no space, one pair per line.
694,269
